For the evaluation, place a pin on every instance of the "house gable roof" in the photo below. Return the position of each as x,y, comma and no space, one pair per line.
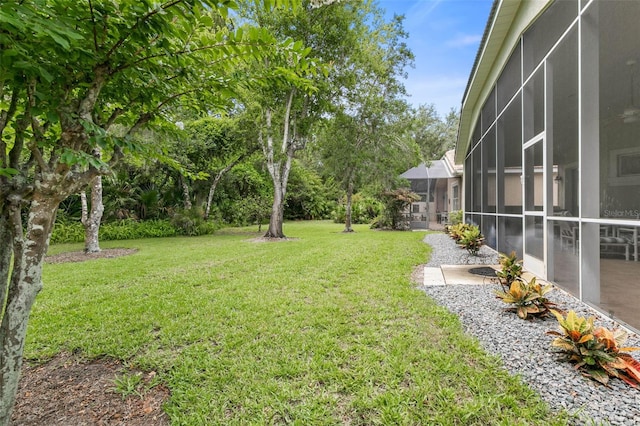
438,169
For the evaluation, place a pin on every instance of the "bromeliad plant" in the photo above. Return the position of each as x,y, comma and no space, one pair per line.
597,352
511,269
529,298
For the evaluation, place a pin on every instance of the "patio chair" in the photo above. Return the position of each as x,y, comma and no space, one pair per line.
568,236
631,235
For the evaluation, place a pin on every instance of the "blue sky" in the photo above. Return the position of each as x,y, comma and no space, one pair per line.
444,36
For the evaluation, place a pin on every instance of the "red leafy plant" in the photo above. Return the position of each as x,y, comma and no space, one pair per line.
597,352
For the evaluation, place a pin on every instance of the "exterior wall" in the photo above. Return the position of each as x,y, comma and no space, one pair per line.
550,140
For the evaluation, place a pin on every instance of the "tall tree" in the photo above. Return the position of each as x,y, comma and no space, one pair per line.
369,134
69,72
434,135
288,110
215,145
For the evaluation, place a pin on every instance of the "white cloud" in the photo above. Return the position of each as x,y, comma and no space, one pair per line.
417,14
464,40
445,92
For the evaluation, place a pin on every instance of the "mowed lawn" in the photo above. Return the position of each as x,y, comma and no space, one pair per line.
323,329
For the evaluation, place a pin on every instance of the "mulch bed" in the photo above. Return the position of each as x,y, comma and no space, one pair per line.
80,256
70,391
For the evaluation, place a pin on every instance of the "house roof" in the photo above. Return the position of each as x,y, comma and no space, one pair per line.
507,21
450,160
437,170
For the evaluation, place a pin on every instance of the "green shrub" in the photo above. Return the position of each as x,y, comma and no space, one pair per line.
456,231
129,229
67,232
510,271
455,217
363,210
253,210
471,239
393,215
191,223
529,298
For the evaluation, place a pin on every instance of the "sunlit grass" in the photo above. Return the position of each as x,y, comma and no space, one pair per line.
323,329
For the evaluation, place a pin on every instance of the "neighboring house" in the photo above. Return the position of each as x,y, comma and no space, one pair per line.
441,185
550,140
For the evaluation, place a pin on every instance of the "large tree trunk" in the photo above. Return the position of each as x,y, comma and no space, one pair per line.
277,210
216,181
347,218
25,283
279,169
92,219
185,193
280,177
6,250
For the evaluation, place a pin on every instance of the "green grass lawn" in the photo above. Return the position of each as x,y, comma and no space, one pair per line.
324,329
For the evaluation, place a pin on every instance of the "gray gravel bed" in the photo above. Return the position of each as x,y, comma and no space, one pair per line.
524,347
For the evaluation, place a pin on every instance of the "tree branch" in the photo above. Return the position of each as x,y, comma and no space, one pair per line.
87,105
84,218
93,21
172,98
5,116
287,118
128,65
15,221
33,147
113,117
18,144
142,120
139,22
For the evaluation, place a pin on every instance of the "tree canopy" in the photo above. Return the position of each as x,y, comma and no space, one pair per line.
78,78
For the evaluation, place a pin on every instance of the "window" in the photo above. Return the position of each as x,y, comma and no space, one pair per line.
562,137
510,80
489,111
509,164
455,199
533,105
545,32
489,175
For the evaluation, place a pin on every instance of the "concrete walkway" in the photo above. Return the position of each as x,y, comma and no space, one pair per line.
455,275
460,275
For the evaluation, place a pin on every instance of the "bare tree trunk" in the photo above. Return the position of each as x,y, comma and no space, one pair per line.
347,218
24,285
92,219
216,181
6,250
278,170
277,209
85,208
185,194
